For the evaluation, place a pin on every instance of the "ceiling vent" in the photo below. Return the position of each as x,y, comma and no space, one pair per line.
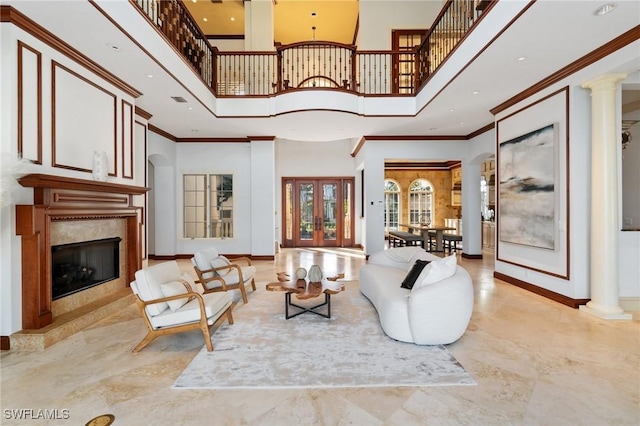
179,99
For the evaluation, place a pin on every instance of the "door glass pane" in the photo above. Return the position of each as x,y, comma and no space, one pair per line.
306,211
288,211
329,192
346,201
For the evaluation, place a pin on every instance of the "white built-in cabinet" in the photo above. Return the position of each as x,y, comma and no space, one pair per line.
454,223
488,235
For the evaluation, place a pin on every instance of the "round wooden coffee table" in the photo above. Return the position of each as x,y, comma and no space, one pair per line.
305,290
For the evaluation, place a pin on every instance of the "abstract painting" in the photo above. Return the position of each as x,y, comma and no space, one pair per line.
527,174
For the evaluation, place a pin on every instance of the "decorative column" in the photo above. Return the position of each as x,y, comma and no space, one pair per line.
471,218
604,199
258,25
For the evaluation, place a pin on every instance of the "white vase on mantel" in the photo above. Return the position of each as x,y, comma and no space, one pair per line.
100,166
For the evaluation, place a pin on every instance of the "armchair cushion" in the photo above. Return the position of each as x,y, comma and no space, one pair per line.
182,286
221,262
149,281
248,272
214,304
202,259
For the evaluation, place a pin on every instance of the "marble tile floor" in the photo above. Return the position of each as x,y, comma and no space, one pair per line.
536,362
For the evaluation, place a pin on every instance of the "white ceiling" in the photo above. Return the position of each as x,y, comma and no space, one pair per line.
550,34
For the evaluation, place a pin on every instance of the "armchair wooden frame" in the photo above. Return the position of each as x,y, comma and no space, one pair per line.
201,324
239,285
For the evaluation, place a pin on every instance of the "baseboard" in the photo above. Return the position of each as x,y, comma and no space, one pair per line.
5,343
471,256
161,257
262,257
189,256
556,297
630,304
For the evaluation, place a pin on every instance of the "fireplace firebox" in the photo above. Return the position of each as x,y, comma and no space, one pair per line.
79,266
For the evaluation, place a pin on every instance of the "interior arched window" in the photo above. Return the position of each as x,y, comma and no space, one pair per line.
421,203
391,205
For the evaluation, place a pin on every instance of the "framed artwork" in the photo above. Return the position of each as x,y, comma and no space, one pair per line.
528,172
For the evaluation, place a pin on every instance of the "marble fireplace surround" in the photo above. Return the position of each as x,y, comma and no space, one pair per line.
61,203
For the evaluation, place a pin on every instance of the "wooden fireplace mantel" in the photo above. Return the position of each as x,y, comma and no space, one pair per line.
61,182
63,198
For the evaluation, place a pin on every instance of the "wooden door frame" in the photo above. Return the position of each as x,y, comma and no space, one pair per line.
395,67
340,230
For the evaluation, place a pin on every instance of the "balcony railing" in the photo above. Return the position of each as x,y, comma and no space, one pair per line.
314,64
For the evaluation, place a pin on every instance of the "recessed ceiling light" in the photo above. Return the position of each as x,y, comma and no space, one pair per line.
314,14
195,1
452,109
475,92
205,19
150,75
233,18
522,58
190,108
604,9
462,122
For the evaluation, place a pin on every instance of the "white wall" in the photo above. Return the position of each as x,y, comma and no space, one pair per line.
227,45
379,18
479,149
578,284
263,208
162,154
313,159
76,87
257,168
252,165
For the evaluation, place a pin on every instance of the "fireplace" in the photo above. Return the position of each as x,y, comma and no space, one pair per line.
67,211
82,265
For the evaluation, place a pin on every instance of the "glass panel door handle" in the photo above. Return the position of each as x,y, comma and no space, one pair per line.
317,225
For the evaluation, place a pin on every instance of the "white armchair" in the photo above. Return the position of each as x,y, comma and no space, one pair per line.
172,303
217,273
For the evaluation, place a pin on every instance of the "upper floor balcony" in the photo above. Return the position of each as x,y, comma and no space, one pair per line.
316,64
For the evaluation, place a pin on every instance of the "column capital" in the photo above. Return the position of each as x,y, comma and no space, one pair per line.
606,81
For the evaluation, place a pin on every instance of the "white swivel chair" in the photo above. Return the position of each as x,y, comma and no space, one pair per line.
217,273
171,302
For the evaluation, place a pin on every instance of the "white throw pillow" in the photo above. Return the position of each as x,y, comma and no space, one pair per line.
175,288
436,271
219,262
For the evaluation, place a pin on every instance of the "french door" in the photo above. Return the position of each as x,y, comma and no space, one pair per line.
318,212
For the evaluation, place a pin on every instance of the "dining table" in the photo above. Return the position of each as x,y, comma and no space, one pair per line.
424,230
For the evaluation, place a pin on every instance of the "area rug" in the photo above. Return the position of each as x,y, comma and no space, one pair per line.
264,350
